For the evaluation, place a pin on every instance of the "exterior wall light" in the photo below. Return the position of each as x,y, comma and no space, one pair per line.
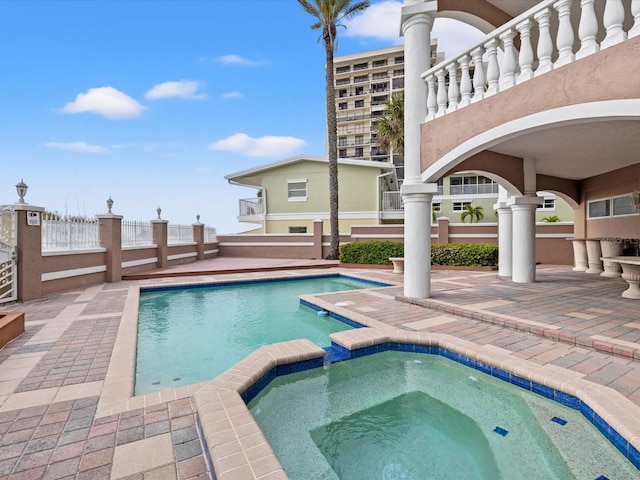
21,188
635,200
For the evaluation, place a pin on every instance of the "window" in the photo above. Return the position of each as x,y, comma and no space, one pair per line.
361,66
379,63
342,153
399,60
398,73
623,206
342,106
359,103
436,206
472,185
297,190
361,78
599,208
359,139
548,203
610,207
342,93
359,152
342,141
343,69
459,206
297,229
359,90
342,81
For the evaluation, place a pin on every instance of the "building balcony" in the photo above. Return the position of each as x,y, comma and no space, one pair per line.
556,77
249,209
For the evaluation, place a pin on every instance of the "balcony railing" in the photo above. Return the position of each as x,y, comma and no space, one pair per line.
474,189
392,202
177,234
250,206
447,93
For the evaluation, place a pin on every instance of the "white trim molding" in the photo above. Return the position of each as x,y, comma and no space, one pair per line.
75,272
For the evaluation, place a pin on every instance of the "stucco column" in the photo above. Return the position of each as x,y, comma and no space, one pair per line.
415,25
524,238
317,239
110,227
443,230
161,239
29,251
505,238
417,238
198,237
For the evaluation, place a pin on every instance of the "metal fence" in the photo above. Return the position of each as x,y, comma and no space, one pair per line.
136,233
179,234
69,233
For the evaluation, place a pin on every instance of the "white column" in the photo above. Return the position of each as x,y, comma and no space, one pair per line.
454,91
493,69
524,238
478,74
416,23
465,81
508,70
417,238
505,239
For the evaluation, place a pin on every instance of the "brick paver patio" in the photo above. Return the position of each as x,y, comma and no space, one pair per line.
52,377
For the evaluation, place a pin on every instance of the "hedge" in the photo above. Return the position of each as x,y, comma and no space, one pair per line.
377,252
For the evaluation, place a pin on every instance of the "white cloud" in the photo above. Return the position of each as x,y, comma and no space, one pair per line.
82,147
106,101
454,36
181,89
238,60
380,21
232,95
267,146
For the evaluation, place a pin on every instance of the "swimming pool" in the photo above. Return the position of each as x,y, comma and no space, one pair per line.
191,334
416,416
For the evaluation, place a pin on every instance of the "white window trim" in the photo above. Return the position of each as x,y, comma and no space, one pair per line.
297,199
621,214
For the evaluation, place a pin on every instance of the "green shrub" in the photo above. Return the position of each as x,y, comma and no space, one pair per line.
371,252
464,254
377,252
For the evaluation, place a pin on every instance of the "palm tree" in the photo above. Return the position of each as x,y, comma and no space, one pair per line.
551,219
329,15
390,126
474,213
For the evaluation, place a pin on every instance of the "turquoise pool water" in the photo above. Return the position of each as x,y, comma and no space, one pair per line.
189,335
396,415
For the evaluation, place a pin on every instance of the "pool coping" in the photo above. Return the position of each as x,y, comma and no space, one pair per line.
236,445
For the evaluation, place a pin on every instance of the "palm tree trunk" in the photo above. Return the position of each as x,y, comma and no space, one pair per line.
332,149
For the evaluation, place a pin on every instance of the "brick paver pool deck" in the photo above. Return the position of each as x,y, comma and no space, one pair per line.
52,378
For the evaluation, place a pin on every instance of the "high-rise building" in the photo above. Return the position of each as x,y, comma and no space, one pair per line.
364,83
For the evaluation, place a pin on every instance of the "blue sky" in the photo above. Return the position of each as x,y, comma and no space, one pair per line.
153,102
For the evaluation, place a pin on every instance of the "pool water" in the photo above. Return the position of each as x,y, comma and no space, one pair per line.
189,335
406,416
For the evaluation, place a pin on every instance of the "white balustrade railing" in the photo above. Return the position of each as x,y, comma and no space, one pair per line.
497,65
392,202
210,235
136,233
250,206
69,233
177,234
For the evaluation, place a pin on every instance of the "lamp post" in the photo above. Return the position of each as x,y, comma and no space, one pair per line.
21,188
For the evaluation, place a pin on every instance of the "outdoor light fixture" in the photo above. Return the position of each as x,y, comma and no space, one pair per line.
198,218
109,205
635,200
21,188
